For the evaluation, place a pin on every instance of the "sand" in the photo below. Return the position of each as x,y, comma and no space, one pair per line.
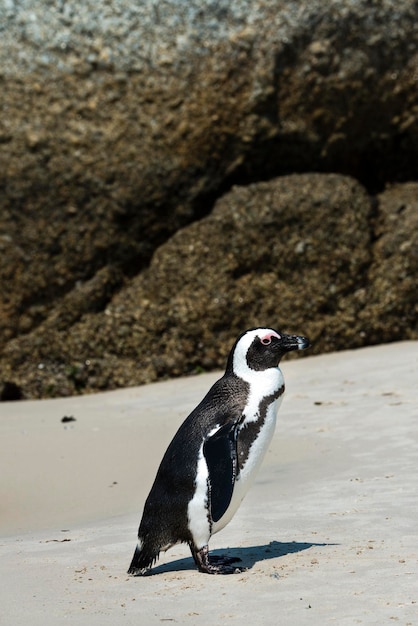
329,531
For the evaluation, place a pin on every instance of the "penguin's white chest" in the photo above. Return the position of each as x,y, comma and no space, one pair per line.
250,465
259,446
255,433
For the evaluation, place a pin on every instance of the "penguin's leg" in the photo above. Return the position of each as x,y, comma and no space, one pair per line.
213,565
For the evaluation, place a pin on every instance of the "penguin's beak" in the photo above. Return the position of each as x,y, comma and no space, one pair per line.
294,342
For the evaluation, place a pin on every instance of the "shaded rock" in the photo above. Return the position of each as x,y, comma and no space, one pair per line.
10,392
121,124
391,311
291,253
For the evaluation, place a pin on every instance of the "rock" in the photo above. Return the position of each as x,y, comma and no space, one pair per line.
293,253
392,304
122,124
10,392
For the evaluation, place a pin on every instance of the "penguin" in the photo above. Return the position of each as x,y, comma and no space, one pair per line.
213,458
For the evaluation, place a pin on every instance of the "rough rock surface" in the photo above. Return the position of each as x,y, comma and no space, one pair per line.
392,298
122,122
296,252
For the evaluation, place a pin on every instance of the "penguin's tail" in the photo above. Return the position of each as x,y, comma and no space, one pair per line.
143,559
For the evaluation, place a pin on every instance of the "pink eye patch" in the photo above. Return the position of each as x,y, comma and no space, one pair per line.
266,340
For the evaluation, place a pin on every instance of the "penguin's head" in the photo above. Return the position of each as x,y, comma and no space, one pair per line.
260,349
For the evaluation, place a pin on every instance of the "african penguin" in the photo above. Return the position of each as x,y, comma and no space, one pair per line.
214,456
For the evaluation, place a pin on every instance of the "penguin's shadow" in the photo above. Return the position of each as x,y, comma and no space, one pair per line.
248,556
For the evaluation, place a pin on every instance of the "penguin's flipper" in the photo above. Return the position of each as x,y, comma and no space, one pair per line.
220,452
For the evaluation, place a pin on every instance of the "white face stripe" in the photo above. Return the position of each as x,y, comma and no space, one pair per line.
240,365
262,383
266,339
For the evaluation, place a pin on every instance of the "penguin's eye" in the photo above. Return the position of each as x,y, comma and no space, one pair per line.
269,338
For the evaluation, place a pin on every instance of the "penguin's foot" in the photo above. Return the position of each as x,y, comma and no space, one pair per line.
214,564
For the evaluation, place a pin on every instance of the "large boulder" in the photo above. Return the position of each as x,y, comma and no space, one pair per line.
391,303
306,253
122,123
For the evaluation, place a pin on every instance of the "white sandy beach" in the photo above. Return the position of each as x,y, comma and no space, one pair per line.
329,532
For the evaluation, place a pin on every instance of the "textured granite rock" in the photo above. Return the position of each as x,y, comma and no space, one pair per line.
121,124
307,253
391,303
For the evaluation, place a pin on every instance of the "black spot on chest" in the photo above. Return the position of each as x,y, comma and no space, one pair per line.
250,431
